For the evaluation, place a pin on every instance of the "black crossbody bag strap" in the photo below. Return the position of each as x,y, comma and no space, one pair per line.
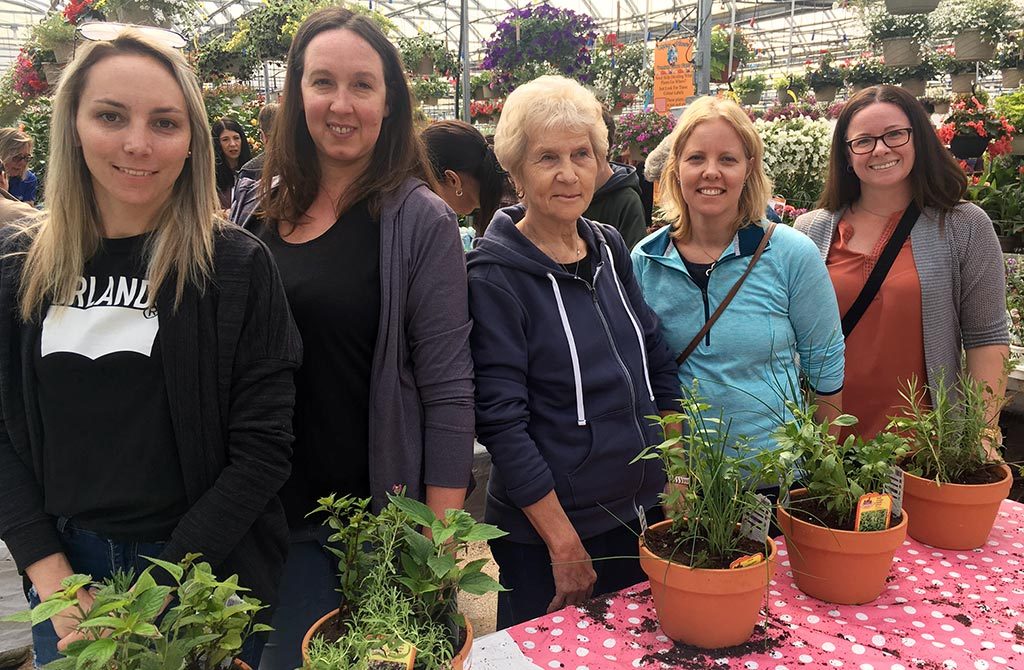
881,269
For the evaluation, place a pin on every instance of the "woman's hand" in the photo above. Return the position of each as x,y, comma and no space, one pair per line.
574,576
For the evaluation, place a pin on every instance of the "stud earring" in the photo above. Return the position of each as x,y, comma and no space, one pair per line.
520,194
458,193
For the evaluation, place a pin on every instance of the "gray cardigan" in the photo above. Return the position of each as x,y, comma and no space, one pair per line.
421,384
963,283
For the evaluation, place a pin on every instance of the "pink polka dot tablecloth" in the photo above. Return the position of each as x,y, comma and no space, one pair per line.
941,609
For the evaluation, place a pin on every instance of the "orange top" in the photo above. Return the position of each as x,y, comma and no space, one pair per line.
887,347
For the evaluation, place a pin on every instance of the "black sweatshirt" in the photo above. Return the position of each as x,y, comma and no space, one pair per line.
229,355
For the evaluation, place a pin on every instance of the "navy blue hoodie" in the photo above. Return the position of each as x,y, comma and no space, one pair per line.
566,374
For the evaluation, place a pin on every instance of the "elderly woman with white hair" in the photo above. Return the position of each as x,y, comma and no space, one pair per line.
569,361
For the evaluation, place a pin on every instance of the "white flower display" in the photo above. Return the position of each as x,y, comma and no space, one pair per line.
796,157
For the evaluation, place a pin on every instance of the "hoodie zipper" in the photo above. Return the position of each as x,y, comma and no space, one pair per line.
704,294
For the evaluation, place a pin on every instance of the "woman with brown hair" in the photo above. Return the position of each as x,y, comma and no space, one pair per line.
893,197
374,271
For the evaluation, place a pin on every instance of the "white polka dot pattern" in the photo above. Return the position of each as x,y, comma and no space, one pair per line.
940,610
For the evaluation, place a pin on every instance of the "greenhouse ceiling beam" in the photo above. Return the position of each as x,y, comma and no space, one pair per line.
422,7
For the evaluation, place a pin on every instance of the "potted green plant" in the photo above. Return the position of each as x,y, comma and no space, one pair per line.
977,26
962,73
711,560
1011,106
915,78
790,87
402,595
216,60
831,560
57,35
1010,60
723,69
825,79
750,88
425,56
954,479
480,86
127,627
863,72
900,36
428,90
939,99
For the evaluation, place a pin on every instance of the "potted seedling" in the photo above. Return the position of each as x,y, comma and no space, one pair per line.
710,562
127,628
900,37
398,602
750,88
954,478
837,555
825,79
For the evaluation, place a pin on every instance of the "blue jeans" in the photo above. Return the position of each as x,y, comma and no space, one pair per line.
309,590
92,554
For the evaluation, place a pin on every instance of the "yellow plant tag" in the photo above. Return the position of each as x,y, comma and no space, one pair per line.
402,657
874,512
746,561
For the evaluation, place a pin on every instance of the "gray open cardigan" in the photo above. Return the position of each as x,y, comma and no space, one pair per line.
963,283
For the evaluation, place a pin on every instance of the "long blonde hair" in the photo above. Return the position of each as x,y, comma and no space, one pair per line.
67,233
756,190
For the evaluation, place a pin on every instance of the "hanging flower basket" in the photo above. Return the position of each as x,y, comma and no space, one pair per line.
1012,77
915,87
962,83
968,146
751,97
826,93
901,52
969,45
910,6
426,66
63,53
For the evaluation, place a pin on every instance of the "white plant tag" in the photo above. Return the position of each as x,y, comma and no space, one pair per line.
754,524
640,514
894,487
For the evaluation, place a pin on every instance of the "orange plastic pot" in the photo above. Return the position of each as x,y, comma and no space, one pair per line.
839,566
707,608
461,661
953,516
242,665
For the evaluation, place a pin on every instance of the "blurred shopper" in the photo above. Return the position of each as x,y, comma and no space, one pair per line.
16,153
617,196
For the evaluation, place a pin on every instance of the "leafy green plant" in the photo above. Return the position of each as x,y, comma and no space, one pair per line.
53,31
217,59
405,589
127,629
864,71
925,70
426,88
795,84
35,120
836,473
881,25
422,45
721,68
999,191
750,84
825,74
994,19
946,433
1011,106
722,474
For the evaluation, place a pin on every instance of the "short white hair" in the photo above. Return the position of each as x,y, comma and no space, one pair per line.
547,103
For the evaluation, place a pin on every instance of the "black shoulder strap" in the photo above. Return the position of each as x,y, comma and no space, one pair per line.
881,269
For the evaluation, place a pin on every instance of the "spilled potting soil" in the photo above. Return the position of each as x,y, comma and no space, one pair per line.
767,637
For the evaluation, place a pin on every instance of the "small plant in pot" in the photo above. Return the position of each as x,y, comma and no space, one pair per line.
954,478
398,601
900,37
826,79
428,90
833,559
863,72
127,628
790,87
750,88
710,562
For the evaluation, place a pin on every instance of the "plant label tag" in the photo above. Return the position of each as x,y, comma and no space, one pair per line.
642,515
894,487
874,512
747,561
754,524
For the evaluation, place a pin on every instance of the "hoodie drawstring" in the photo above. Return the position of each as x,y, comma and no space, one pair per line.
636,325
581,418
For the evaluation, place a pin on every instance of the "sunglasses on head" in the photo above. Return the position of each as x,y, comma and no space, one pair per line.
105,31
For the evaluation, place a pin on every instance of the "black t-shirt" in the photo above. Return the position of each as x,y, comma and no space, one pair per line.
582,269
110,460
333,287
699,273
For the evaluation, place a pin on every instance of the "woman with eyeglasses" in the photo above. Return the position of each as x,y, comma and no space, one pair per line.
146,379
230,151
15,153
944,292
11,209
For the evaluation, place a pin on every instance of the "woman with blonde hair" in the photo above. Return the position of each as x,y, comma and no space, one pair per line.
745,305
569,364
147,387
15,154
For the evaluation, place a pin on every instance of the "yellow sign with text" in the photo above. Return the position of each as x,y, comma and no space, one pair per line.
673,74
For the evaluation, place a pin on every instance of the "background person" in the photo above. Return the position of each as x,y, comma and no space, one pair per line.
569,363
945,292
231,152
149,415
11,209
713,193
16,153
374,271
617,194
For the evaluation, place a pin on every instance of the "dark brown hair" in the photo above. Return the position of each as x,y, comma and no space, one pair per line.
397,155
935,179
458,146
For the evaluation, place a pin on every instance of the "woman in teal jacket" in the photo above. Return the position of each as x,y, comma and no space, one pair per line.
783,324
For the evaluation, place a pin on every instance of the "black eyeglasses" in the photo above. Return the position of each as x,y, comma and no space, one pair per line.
891,139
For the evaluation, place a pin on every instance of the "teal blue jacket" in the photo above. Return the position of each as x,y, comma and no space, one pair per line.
783,323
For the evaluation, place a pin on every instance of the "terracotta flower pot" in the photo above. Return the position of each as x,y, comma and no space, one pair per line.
910,6
707,608
969,45
839,566
901,52
461,661
953,516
